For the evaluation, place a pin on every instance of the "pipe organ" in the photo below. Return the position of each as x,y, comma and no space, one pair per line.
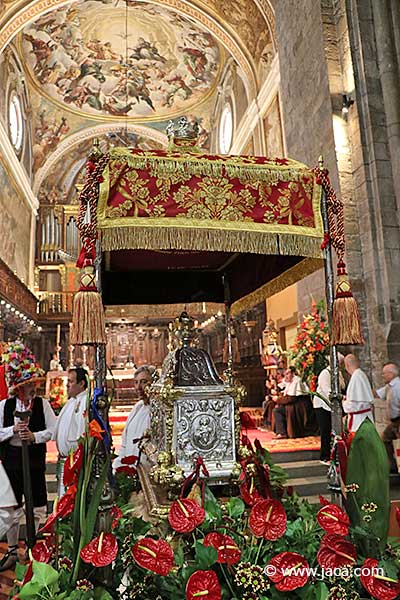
57,231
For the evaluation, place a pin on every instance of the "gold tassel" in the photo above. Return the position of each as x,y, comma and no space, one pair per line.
88,322
346,326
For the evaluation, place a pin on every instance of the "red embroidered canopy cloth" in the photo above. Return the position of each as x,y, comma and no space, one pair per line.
190,213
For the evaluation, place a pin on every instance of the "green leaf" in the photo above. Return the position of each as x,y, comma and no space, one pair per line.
93,509
321,590
179,556
205,556
236,507
213,512
20,571
368,467
391,570
44,574
102,594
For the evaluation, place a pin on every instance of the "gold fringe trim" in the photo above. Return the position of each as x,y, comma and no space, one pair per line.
233,167
215,240
289,277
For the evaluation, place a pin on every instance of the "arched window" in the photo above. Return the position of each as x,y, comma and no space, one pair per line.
226,129
15,121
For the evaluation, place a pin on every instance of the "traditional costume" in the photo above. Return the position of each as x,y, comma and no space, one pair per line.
294,417
70,427
137,423
359,400
21,369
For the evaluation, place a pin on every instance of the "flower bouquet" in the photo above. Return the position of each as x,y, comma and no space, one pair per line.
57,394
310,350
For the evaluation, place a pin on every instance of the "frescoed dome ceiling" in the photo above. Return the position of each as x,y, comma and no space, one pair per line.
110,60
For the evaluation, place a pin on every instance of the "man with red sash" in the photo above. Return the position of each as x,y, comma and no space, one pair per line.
359,400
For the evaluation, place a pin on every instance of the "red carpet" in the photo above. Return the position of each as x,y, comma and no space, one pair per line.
272,444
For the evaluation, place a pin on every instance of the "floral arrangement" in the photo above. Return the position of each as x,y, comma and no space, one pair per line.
264,543
57,394
310,350
20,363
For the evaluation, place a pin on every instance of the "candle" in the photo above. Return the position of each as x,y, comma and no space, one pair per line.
58,335
260,347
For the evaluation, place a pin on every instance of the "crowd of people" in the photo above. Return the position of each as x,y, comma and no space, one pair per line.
291,410
28,418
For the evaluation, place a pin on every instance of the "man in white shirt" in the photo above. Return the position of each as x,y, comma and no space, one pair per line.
294,388
323,410
8,502
359,399
139,418
37,430
71,420
391,393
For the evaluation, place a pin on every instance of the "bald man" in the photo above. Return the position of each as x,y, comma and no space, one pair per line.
359,399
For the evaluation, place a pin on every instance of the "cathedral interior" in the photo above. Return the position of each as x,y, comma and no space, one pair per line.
261,78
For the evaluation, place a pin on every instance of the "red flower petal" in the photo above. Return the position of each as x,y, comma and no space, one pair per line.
291,571
268,519
101,551
228,551
250,494
28,575
333,519
72,466
323,501
62,509
154,555
116,513
42,551
129,460
335,551
185,515
130,471
203,584
381,588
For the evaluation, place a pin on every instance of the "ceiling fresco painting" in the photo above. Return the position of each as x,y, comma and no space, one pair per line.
60,184
104,60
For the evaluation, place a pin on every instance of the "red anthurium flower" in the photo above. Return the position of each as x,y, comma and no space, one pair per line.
185,515
101,551
380,587
72,466
95,430
129,460
335,551
61,509
228,551
130,471
249,493
116,514
154,555
268,519
291,571
203,584
398,515
42,551
333,519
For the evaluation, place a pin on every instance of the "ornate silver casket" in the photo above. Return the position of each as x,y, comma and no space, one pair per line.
193,413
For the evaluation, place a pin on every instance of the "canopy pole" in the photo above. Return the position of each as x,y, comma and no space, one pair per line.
335,395
228,319
102,407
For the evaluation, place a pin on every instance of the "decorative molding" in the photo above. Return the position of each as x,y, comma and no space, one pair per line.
18,173
91,132
257,108
39,7
14,291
